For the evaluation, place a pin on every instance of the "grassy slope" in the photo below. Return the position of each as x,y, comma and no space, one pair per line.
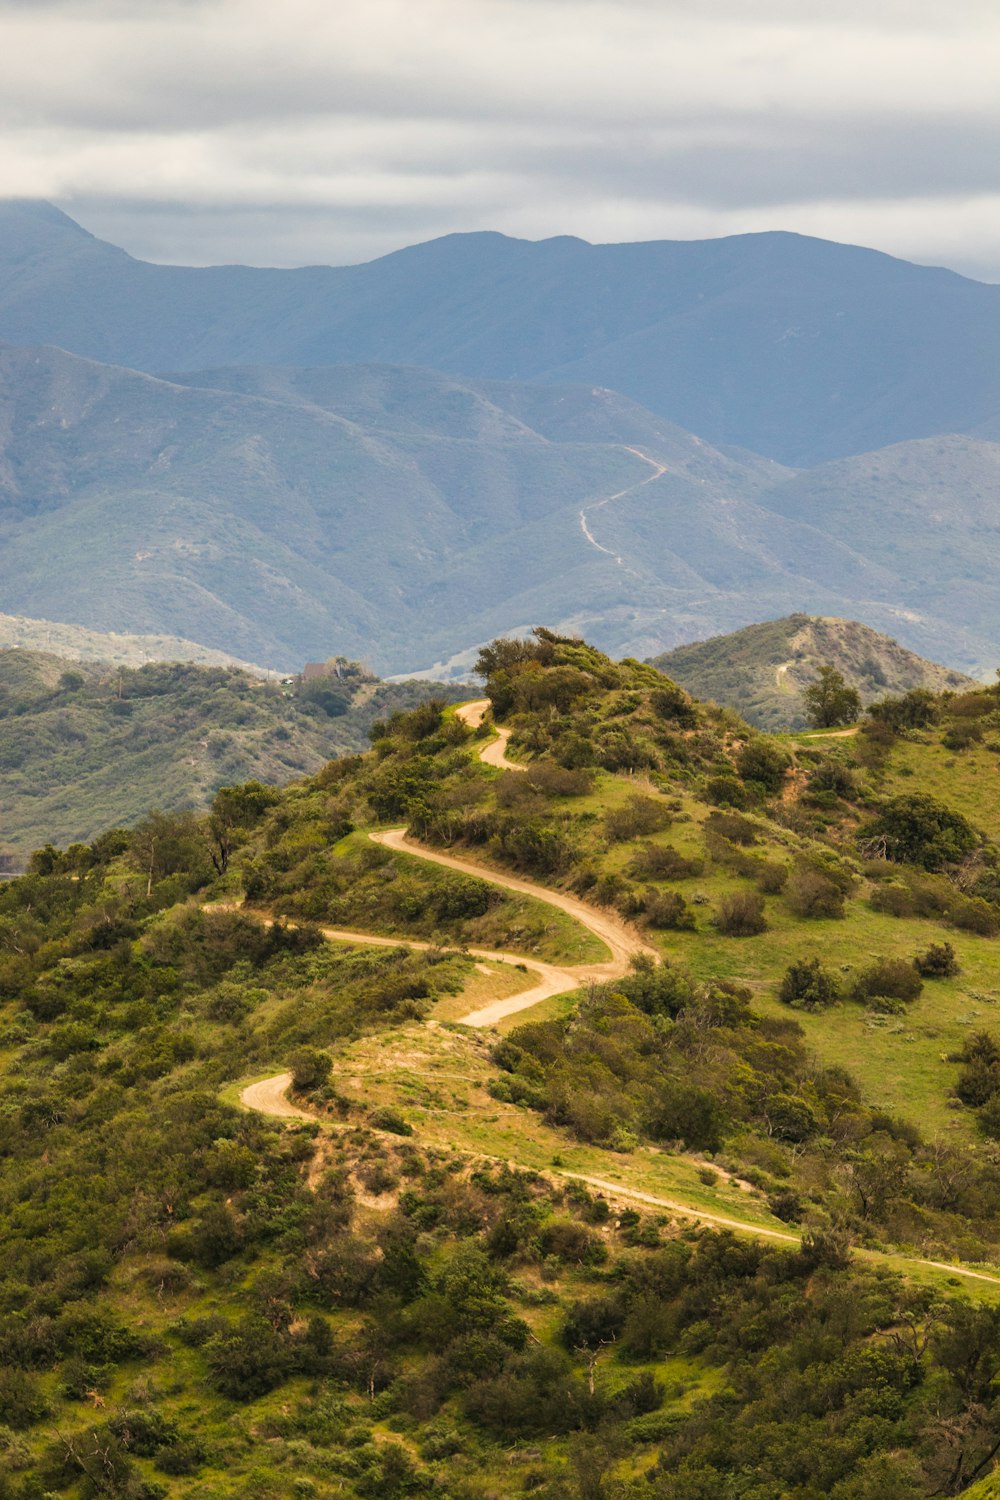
901,1061
76,643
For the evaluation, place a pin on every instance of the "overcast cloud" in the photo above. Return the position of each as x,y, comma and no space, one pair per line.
201,131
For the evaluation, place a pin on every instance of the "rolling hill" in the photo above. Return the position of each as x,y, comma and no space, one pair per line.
797,348
762,670
77,643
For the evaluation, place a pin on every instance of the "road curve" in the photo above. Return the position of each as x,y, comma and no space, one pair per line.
270,1097
624,943
495,753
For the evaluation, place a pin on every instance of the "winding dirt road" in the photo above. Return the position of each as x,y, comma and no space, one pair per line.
495,753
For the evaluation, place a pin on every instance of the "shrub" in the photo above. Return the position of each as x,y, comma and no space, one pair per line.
727,791
741,914
732,827
833,776
390,1120
972,914
661,862
939,962
913,710
685,1112
979,1079
810,894
808,986
888,978
638,817
671,702
893,899
247,1360
764,762
667,909
771,876
310,1069
959,737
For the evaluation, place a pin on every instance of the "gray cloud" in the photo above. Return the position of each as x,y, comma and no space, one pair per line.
205,130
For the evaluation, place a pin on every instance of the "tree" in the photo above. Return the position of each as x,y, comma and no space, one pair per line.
917,829
830,701
235,808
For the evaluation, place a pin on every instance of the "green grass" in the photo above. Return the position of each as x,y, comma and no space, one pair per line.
899,1061
518,924
968,781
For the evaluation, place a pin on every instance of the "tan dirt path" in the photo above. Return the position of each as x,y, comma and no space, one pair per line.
495,753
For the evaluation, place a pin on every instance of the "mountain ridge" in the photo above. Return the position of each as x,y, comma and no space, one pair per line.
799,348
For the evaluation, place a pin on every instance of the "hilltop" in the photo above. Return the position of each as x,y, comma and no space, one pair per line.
762,671
731,1214
85,746
793,347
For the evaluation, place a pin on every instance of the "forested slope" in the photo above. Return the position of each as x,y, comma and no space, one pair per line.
84,745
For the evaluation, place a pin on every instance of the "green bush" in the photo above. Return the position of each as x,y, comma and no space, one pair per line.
890,979
741,914
808,986
937,962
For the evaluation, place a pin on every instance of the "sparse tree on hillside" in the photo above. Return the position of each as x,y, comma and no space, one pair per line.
830,701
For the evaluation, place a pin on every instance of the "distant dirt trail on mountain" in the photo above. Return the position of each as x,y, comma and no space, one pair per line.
495,753
658,470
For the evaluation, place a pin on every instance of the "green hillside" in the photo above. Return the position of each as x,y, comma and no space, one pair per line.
86,746
762,671
719,1221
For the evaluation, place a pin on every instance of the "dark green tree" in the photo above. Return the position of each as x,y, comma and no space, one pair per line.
830,701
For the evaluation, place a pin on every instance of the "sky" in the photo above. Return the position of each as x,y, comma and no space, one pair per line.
290,132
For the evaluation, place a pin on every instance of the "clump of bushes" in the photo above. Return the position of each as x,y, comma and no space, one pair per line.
812,894
939,962
667,909
763,764
741,914
888,979
310,1069
808,986
731,826
661,862
637,818
390,1120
